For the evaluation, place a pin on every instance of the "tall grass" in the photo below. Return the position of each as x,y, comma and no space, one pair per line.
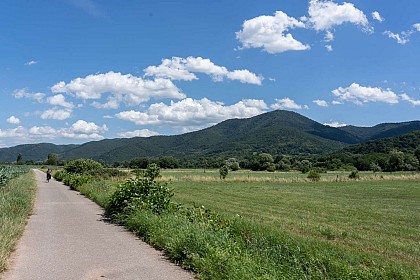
16,202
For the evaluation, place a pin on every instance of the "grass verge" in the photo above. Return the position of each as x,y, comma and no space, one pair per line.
16,202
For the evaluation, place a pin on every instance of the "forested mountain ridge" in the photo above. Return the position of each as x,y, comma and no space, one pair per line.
276,132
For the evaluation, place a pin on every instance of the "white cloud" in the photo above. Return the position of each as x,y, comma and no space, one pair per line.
79,130
85,127
18,132
56,114
407,98
59,100
320,102
190,114
179,68
401,39
377,16
329,36
335,124
360,94
404,37
270,33
286,103
138,133
13,120
122,88
32,62
324,15
329,48
22,93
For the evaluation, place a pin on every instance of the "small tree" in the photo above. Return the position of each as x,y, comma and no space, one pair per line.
152,171
314,176
20,159
354,175
52,159
223,171
82,166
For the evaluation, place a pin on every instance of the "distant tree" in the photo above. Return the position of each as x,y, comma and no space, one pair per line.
20,159
262,162
223,171
52,159
140,162
168,162
417,153
232,164
304,166
396,160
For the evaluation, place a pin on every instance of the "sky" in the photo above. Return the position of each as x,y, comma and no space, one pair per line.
73,71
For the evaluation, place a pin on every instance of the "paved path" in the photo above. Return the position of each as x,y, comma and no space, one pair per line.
66,238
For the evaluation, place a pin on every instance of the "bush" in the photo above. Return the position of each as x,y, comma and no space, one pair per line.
152,171
314,176
74,181
140,193
354,175
82,166
223,171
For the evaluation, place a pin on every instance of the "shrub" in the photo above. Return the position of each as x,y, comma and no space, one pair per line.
74,181
152,171
82,166
354,175
140,192
223,171
314,176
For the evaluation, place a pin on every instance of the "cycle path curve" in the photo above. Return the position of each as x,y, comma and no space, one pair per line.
67,238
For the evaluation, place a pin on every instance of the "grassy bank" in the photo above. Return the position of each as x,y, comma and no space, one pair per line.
16,201
324,230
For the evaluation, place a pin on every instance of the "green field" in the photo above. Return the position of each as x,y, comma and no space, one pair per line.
377,218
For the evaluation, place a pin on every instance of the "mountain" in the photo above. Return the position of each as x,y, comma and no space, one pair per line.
408,142
36,152
276,132
381,130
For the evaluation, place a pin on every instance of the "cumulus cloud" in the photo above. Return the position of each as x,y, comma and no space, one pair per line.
409,99
32,62
324,15
417,27
138,133
13,120
178,68
23,93
329,36
377,16
287,103
329,48
335,124
56,114
59,100
79,130
190,114
358,94
320,102
271,33
122,88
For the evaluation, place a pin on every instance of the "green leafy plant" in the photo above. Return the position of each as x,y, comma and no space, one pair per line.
82,166
354,175
314,176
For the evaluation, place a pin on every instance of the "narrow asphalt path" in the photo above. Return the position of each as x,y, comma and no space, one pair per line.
67,238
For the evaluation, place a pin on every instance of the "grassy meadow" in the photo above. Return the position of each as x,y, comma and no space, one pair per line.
282,226
16,201
381,217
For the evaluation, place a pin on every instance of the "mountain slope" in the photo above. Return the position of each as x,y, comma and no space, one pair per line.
276,132
381,130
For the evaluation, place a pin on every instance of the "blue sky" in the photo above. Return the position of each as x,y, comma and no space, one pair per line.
73,71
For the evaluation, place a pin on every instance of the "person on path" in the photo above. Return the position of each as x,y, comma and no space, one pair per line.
49,171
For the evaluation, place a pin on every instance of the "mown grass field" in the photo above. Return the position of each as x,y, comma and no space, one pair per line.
16,201
378,218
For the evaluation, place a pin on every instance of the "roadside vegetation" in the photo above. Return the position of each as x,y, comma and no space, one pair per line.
17,193
262,229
